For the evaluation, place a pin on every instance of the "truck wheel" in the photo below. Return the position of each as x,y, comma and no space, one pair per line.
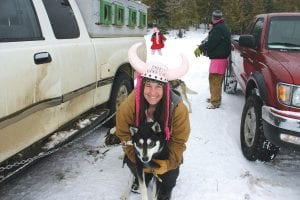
121,89
253,142
229,82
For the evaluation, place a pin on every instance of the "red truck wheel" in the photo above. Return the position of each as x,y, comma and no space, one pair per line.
253,142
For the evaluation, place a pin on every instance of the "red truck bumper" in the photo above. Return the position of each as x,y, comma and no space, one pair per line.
282,128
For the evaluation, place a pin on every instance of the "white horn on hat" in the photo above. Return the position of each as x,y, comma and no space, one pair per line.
134,60
174,73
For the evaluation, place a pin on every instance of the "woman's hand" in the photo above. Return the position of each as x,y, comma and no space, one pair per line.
163,167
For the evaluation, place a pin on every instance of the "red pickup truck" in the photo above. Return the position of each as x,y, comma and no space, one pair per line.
265,62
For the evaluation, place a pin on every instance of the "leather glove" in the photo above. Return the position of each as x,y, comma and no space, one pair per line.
163,167
148,170
197,52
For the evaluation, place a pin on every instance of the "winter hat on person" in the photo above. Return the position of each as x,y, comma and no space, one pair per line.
156,71
217,14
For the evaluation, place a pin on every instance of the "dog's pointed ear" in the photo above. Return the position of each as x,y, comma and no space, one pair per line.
133,130
156,127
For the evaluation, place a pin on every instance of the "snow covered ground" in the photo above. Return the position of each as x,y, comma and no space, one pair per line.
214,167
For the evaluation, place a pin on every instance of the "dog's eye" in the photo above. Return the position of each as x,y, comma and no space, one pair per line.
140,143
150,143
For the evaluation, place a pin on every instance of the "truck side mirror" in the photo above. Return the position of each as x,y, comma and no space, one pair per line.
247,41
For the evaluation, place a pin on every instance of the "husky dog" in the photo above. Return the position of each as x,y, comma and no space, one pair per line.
180,86
149,143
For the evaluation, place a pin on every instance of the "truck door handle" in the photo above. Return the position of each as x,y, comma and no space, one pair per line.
42,57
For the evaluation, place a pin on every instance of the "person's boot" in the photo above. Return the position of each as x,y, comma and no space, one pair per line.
212,106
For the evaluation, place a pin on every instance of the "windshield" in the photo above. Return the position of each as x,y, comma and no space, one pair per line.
284,33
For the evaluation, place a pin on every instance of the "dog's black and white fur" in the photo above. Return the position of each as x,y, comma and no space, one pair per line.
183,90
149,143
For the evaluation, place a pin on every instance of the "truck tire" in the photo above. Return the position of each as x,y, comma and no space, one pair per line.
229,82
253,142
121,89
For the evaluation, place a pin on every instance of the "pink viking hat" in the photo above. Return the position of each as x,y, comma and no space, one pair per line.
157,71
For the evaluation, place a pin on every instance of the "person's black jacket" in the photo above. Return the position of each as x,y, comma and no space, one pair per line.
218,44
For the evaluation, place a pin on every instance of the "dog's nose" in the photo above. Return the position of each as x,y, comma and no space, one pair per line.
145,158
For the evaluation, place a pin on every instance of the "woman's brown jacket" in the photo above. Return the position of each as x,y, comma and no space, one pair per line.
180,129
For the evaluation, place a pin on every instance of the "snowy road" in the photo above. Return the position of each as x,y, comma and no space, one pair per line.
213,168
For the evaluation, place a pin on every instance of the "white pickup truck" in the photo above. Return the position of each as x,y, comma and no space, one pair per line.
60,59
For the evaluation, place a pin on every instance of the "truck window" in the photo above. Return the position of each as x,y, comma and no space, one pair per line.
257,30
132,18
62,19
18,21
143,19
119,15
105,12
284,33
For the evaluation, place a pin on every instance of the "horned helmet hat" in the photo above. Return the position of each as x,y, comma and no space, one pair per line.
157,71
154,69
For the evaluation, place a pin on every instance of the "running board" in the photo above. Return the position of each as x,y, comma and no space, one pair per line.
85,123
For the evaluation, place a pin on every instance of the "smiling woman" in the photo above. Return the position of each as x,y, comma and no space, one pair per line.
153,100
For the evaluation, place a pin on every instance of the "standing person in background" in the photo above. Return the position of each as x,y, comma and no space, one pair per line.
157,40
217,47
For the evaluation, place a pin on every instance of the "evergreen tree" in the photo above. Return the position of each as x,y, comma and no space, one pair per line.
159,16
258,7
173,9
190,13
234,17
286,6
180,14
204,11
